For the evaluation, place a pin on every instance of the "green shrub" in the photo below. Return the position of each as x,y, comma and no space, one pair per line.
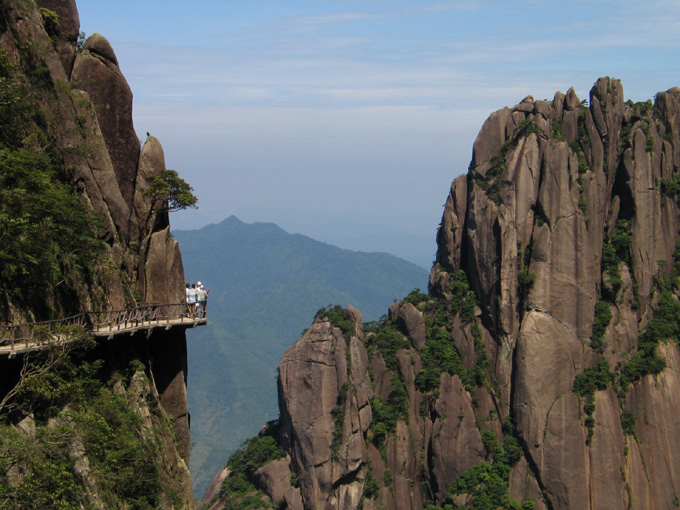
603,316
371,485
464,300
50,238
338,414
237,490
439,355
386,413
592,379
255,453
649,147
557,132
415,297
337,316
387,341
79,397
526,282
477,375
614,251
628,419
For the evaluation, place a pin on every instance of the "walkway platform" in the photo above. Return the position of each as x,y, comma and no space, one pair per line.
22,338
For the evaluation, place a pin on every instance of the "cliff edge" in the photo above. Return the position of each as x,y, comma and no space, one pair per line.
105,424
542,369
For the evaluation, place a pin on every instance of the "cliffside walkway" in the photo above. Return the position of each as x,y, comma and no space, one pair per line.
25,337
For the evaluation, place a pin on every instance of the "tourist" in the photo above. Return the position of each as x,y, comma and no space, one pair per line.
202,299
191,299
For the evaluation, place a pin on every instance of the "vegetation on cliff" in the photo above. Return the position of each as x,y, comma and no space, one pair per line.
50,240
81,421
265,285
82,440
542,368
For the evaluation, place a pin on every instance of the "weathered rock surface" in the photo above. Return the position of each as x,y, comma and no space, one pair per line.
568,210
96,71
87,108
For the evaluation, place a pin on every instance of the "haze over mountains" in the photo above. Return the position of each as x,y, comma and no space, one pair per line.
542,369
265,286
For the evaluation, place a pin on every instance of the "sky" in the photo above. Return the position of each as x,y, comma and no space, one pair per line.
347,120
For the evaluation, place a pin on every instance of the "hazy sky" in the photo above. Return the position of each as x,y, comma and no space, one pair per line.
347,120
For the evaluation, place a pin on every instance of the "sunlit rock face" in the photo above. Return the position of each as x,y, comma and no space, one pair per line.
564,231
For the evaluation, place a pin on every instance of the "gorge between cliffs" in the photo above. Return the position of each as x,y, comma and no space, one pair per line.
542,368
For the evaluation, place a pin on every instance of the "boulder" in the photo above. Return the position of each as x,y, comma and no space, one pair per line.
96,72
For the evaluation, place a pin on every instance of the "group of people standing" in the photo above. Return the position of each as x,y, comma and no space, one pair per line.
197,300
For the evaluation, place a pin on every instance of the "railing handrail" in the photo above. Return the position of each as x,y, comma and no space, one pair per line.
114,321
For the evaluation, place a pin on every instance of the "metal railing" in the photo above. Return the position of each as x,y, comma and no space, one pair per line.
111,322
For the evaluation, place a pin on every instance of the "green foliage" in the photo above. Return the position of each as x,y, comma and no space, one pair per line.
491,181
173,192
664,326
628,419
255,453
80,42
120,456
337,316
670,188
371,485
49,480
338,413
615,251
49,239
525,279
415,297
240,493
675,270
387,341
649,147
621,240
592,379
50,21
487,487
603,316
439,355
386,413
463,299
595,378
52,377
557,132
486,483
88,406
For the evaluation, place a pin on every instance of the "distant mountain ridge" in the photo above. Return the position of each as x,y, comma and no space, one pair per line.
265,286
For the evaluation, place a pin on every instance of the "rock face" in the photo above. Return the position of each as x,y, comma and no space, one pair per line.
86,108
543,364
87,104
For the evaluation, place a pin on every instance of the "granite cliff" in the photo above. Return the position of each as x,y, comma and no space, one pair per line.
542,369
66,105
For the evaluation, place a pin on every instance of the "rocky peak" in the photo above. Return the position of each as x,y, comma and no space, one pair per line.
83,107
543,365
